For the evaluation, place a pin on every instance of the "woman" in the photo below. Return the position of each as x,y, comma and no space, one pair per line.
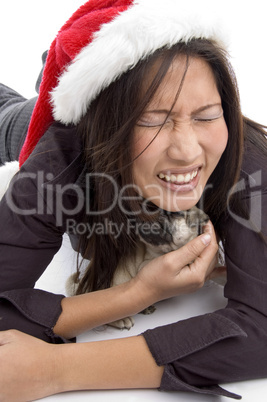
152,126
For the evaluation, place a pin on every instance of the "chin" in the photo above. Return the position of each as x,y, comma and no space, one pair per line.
178,205
183,202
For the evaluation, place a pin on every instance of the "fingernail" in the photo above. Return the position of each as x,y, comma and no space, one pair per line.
206,239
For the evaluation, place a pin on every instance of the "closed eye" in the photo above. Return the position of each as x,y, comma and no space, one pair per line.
207,120
148,124
152,123
154,118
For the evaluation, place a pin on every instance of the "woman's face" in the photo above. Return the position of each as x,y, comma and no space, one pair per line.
173,171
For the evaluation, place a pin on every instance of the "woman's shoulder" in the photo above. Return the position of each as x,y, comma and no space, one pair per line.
58,148
61,139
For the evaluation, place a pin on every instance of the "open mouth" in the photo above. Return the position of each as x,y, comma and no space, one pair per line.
179,179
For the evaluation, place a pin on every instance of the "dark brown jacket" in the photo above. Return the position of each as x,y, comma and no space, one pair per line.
198,353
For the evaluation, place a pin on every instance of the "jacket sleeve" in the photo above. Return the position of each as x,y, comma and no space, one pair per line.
230,344
33,220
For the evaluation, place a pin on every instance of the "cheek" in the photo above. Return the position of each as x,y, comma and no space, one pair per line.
143,139
144,168
145,154
218,141
140,170
138,142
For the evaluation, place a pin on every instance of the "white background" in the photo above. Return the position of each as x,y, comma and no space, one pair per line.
27,27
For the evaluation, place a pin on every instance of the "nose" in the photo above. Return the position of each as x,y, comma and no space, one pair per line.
184,144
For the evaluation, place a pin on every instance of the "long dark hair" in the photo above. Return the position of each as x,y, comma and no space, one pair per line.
107,135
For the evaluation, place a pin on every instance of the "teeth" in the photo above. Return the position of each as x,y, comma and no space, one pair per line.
167,178
180,178
187,178
193,175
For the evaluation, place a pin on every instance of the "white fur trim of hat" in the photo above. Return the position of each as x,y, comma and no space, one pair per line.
102,40
118,46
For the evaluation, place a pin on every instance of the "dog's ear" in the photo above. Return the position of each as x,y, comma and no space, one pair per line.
196,218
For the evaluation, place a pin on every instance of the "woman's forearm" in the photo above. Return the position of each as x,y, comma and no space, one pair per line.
84,312
113,364
166,276
39,369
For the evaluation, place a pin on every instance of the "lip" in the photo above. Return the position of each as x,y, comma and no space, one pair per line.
182,188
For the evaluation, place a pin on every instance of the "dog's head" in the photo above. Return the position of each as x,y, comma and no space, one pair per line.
173,230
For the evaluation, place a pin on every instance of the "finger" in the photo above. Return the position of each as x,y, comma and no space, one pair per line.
204,263
209,229
213,245
188,253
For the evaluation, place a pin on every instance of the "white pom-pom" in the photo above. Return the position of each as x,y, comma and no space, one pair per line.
7,172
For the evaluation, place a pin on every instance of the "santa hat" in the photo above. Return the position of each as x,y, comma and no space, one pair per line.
102,40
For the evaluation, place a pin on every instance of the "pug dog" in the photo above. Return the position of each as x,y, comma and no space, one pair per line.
170,232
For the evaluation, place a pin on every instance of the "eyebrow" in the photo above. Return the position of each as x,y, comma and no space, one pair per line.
199,110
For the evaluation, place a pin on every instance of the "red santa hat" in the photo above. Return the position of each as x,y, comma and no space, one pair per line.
102,40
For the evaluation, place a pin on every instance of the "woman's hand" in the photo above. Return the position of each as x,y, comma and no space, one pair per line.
178,272
181,271
27,367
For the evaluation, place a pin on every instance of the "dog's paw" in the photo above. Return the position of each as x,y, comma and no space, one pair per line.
148,310
71,285
124,323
